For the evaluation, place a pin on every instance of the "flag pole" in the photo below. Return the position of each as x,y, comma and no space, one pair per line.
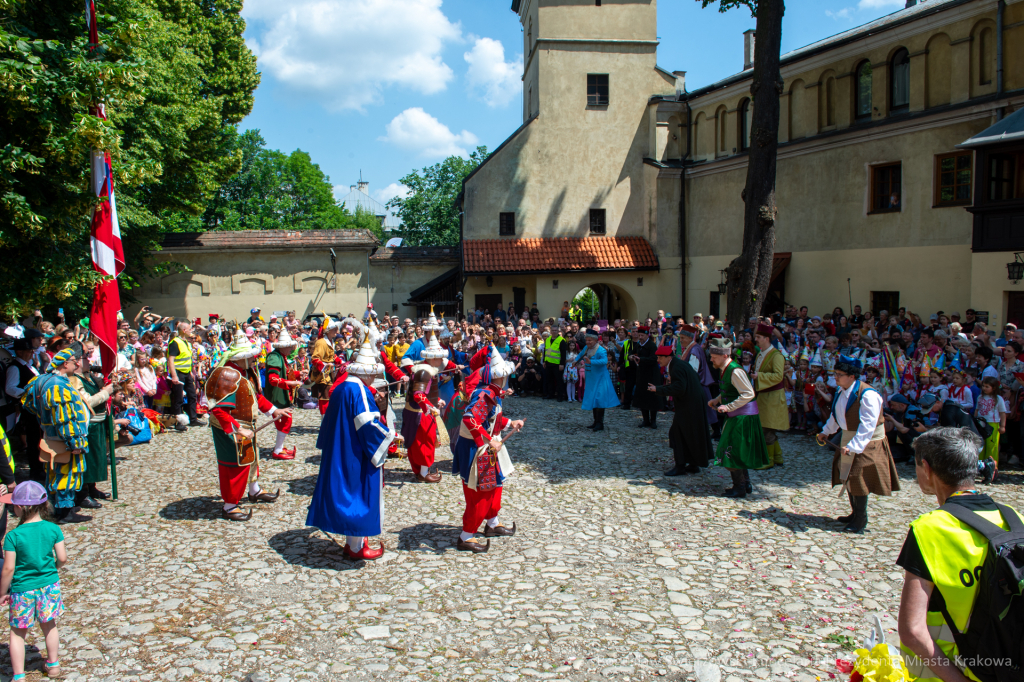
113,459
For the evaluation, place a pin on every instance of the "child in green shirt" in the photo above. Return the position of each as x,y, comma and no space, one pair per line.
29,582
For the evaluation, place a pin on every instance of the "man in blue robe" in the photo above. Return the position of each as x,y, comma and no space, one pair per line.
348,499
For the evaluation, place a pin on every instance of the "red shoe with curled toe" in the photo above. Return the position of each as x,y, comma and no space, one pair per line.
286,453
367,553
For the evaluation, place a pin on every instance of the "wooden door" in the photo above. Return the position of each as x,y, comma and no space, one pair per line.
1015,308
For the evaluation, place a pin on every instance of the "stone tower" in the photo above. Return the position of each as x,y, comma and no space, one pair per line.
595,51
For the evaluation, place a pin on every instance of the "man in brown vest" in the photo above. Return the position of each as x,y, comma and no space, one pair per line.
863,463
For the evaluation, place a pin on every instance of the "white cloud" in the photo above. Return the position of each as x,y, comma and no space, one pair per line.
843,14
494,80
386,194
417,131
345,52
881,4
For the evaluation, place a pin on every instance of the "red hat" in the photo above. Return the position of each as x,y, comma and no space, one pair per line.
664,350
765,330
689,328
643,329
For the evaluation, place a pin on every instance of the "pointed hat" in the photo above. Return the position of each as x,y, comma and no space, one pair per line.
365,361
285,340
433,349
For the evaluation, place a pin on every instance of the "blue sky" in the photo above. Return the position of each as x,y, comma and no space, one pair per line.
386,86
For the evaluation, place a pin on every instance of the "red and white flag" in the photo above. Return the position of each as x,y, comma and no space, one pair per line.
107,255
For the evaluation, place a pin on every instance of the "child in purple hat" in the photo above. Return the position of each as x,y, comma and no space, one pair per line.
29,582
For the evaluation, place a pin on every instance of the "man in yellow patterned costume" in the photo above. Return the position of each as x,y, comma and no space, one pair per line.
64,418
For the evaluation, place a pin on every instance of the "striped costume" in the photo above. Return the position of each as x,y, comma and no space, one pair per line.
63,416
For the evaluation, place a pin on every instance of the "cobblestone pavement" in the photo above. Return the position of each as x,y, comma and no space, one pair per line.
616,572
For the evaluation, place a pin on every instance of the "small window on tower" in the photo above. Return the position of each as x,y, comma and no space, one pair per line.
597,221
597,89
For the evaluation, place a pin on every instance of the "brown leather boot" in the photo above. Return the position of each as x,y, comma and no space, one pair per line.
473,546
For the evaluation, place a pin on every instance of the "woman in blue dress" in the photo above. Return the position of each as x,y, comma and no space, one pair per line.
599,394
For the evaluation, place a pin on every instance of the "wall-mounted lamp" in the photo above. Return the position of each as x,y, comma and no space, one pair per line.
1015,270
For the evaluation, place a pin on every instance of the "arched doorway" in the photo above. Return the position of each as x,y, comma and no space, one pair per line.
606,302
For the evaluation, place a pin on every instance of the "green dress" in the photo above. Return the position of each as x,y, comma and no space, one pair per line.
97,456
742,443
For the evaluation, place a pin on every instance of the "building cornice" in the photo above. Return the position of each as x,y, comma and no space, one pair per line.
853,47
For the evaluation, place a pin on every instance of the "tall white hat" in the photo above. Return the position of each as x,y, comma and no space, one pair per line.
499,367
285,340
432,324
365,361
433,349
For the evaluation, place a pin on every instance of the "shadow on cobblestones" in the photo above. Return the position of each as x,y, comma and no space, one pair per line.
302,486
191,508
798,523
311,548
435,537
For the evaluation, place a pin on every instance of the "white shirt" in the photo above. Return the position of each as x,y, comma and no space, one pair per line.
870,410
13,375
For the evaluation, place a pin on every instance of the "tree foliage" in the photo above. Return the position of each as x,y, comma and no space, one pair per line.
175,77
274,191
429,214
588,302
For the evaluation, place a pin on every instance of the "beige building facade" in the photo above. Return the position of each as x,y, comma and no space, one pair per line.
230,273
873,187
874,191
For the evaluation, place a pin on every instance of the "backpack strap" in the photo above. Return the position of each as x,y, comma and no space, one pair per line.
990,530
1012,518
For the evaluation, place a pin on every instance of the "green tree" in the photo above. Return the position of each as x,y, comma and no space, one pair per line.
750,273
429,215
588,302
175,76
48,78
271,191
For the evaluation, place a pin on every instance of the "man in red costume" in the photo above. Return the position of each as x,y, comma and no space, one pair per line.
421,417
229,435
480,459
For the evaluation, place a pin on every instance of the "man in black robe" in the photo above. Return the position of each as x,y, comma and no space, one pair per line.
689,435
647,372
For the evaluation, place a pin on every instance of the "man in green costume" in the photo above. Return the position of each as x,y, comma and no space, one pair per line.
282,380
742,445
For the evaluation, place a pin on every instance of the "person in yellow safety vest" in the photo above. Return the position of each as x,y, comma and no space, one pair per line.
939,552
6,475
554,362
182,379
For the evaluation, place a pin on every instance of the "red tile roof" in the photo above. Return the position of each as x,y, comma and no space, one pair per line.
494,256
249,240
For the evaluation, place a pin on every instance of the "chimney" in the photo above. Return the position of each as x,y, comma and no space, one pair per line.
364,187
748,49
910,3
680,83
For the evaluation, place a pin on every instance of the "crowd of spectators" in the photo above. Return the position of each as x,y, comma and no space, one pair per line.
921,364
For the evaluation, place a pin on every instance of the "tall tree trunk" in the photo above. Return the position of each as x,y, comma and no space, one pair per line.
750,273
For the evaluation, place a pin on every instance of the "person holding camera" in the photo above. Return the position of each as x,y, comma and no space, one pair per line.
530,380
902,425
